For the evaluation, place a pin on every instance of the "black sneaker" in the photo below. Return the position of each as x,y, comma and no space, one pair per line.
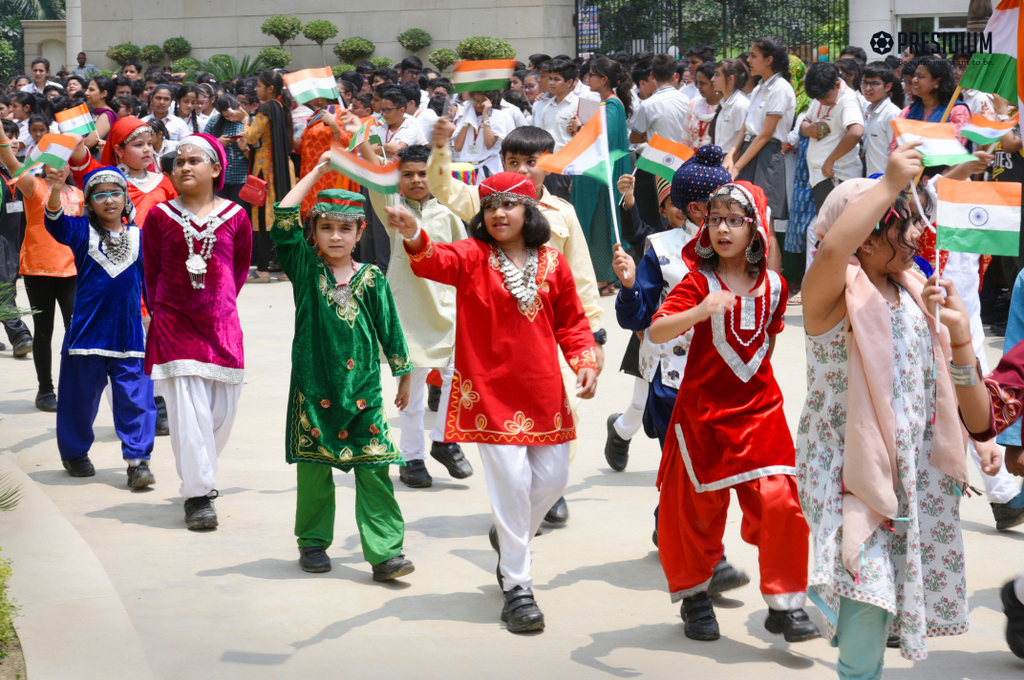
1014,611
140,475
726,577
559,512
414,475
893,641
1009,515
396,567
22,347
46,401
794,624
314,559
521,612
162,428
699,616
450,455
80,467
199,513
616,449
433,397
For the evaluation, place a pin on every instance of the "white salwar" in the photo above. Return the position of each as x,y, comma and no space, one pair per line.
523,483
200,412
412,443
631,420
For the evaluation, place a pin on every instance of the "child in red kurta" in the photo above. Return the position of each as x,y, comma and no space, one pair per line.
728,429
516,304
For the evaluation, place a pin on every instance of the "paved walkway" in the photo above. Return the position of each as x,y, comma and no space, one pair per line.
234,603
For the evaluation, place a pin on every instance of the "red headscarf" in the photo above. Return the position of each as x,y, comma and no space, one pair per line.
119,132
509,185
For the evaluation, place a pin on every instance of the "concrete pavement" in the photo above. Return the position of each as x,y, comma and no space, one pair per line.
234,604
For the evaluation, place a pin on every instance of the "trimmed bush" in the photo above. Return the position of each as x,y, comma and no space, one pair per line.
176,48
184,64
275,57
8,61
284,27
353,50
485,47
341,68
122,53
442,58
382,62
152,54
320,31
415,39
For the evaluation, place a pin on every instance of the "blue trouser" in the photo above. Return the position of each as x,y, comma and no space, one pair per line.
861,632
81,383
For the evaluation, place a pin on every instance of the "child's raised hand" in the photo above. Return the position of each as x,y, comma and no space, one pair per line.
904,165
717,302
623,265
625,186
403,221
323,166
443,131
954,315
586,383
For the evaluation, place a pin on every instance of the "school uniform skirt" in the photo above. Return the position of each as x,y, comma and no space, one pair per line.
768,171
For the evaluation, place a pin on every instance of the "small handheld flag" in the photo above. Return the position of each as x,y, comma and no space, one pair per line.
380,178
978,217
939,145
983,131
662,157
76,121
53,150
483,75
312,83
995,70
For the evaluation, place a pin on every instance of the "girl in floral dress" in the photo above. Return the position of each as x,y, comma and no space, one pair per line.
880,453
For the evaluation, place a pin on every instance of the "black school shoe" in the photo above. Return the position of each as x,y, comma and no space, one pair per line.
1009,515
46,401
559,512
616,449
521,612
414,475
199,513
314,559
80,467
699,616
794,624
393,568
450,455
433,397
22,347
726,577
1014,611
140,476
162,428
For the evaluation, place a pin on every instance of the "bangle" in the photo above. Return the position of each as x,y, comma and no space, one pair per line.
419,230
962,344
963,376
4,146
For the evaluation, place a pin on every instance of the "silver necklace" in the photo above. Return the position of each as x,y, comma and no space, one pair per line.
342,292
196,262
116,247
520,283
140,183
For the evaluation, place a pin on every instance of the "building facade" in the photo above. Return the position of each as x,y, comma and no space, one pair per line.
907,19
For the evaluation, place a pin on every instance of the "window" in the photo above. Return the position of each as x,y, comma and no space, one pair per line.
933,24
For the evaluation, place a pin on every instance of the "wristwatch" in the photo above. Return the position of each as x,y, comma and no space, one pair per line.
487,123
601,336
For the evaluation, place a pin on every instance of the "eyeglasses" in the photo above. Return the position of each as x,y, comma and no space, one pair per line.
731,221
871,84
109,196
412,72
478,101
386,111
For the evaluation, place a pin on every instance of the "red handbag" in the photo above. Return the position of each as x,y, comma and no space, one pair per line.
254,192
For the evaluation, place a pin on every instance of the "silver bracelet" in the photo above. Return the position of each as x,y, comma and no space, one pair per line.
963,376
419,230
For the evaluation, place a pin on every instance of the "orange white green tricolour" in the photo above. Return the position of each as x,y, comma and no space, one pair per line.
997,72
75,121
53,150
939,145
983,131
585,154
312,83
663,157
978,217
482,75
380,178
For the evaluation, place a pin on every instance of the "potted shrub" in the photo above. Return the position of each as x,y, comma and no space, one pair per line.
485,47
184,65
442,58
284,27
415,39
320,31
341,68
123,53
353,50
382,62
152,54
176,48
275,57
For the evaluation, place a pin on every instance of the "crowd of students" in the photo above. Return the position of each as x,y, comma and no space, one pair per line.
486,263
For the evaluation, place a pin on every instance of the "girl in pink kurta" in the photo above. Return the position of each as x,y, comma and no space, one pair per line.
196,251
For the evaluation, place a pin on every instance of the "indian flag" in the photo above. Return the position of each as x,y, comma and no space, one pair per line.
585,154
367,132
53,150
76,121
983,131
978,217
312,83
997,72
939,144
663,157
483,75
380,178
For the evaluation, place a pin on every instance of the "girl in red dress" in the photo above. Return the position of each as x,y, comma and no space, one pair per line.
516,305
728,429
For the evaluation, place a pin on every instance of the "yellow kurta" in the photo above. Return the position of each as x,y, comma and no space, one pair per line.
426,308
257,136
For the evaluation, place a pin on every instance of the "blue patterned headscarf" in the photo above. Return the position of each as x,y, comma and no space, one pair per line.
108,174
699,176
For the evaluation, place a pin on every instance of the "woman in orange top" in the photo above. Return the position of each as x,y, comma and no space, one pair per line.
47,267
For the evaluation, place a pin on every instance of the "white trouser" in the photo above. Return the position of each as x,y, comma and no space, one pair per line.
1018,588
1000,487
200,413
412,443
523,483
569,381
632,419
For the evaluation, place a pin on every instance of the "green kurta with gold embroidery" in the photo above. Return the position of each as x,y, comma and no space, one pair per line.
336,410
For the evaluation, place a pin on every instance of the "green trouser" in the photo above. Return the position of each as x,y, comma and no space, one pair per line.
381,527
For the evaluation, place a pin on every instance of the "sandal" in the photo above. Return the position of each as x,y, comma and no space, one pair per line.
795,299
607,290
283,277
256,278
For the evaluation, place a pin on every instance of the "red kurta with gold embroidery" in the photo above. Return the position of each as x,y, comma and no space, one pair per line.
507,387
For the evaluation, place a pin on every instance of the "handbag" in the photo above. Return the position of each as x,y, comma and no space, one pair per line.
254,192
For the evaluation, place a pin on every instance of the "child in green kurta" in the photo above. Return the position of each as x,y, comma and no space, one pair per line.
336,417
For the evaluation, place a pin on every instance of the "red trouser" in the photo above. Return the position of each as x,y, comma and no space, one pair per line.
691,526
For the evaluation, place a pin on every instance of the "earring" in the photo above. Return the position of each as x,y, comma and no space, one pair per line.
703,252
755,251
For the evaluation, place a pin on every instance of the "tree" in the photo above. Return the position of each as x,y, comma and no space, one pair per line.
320,31
33,10
485,47
176,48
442,58
275,57
284,27
152,54
415,39
354,50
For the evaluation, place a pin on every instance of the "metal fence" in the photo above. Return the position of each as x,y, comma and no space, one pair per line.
727,25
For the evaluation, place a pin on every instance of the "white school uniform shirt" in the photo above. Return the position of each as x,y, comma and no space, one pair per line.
665,113
731,116
31,87
517,117
690,91
473,149
772,97
409,132
839,117
176,128
538,108
975,99
878,134
584,92
556,116
426,119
